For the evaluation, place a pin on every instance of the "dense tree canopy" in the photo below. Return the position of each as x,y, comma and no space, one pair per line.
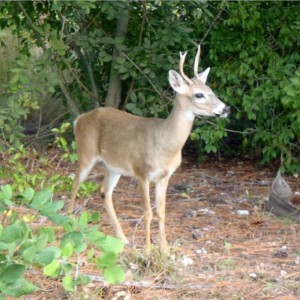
60,58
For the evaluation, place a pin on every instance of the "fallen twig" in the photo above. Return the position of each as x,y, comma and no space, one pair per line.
146,284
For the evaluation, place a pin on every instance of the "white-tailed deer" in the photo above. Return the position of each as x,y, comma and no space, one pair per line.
147,148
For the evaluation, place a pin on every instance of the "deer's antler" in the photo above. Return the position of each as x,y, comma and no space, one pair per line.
181,63
197,62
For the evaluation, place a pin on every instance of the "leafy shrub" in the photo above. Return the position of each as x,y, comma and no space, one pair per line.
254,52
22,246
252,47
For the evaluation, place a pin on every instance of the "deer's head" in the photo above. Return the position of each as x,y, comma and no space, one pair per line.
194,94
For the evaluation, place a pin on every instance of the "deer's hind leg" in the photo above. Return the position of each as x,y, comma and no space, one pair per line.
110,181
84,169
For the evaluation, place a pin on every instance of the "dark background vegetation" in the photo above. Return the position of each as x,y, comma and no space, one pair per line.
61,58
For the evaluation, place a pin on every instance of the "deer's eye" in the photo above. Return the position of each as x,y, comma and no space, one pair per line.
199,95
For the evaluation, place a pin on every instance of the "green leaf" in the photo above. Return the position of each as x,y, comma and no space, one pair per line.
52,269
6,195
227,246
67,250
6,192
95,217
133,97
14,217
56,218
110,243
40,198
29,253
48,232
12,272
56,251
90,255
2,208
41,242
107,259
44,257
52,207
18,288
2,259
137,111
84,219
74,237
28,194
94,236
11,233
68,283
7,246
130,106
114,274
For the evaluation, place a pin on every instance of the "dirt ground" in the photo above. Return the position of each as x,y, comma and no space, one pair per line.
232,249
223,244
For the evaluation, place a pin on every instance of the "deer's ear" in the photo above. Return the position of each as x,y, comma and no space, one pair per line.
203,75
177,82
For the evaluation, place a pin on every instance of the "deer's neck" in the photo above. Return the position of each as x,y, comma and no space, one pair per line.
178,125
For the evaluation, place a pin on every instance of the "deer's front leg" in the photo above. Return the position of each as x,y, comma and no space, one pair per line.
144,190
160,198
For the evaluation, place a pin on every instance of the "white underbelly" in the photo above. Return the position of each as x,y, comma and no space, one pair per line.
118,170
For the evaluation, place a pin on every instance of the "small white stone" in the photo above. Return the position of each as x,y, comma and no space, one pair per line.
242,212
172,257
206,211
201,251
133,266
283,273
253,275
186,261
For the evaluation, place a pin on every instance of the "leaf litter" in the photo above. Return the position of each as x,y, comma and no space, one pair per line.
216,252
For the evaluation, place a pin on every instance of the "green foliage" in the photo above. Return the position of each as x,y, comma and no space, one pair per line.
15,170
61,143
255,53
252,47
23,247
207,138
29,77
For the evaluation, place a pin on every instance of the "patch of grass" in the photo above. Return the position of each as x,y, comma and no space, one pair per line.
287,220
227,264
292,285
269,285
157,265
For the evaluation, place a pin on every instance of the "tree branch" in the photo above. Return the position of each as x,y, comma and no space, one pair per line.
66,93
70,101
83,57
113,97
139,44
156,286
32,26
212,24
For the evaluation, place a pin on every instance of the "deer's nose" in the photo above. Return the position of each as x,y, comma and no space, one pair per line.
225,112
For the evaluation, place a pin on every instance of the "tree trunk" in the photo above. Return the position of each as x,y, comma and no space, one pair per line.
113,98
